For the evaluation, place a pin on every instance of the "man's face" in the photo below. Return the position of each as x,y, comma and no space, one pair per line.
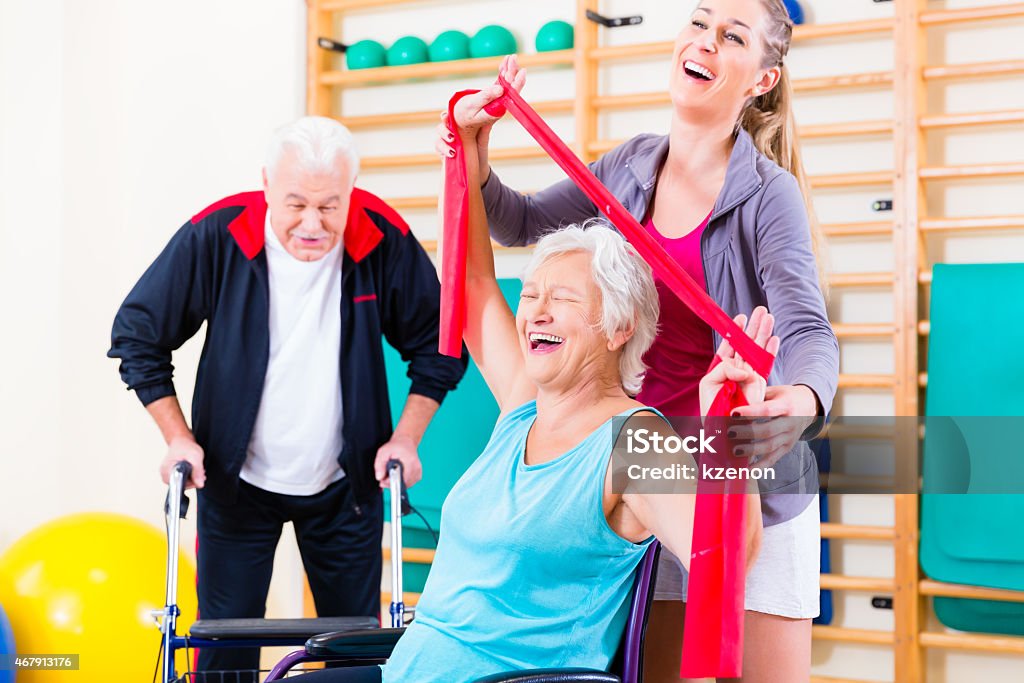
308,211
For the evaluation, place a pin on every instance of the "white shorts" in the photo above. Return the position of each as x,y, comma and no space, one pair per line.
785,578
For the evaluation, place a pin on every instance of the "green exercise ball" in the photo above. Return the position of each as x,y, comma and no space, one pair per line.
554,35
407,50
366,54
492,41
448,46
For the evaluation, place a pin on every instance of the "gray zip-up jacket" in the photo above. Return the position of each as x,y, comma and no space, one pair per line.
756,250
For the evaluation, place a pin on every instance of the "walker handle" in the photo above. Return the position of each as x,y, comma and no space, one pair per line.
177,487
403,492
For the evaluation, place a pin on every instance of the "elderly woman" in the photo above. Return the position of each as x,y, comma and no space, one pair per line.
537,551
724,193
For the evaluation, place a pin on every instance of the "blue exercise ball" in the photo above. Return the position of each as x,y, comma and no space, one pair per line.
6,646
796,12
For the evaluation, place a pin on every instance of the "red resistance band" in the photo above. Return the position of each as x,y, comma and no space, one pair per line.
713,632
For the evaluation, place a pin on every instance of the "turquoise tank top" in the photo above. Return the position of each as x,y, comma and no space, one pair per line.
527,572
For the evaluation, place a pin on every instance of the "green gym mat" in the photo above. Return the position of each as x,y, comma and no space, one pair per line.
456,436
974,539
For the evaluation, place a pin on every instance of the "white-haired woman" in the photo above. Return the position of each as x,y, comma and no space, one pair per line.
537,551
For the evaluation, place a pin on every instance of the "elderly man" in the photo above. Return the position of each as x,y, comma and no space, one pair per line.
290,417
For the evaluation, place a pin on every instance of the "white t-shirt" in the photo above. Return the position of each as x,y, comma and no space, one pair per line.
297,437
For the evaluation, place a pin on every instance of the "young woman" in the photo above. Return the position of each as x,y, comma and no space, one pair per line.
724,193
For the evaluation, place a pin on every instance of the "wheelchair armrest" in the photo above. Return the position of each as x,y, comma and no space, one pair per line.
371,643
552,676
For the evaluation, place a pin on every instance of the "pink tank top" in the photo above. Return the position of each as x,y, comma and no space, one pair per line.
684,347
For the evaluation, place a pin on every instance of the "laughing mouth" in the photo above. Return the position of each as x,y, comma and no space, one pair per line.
698,71
544,342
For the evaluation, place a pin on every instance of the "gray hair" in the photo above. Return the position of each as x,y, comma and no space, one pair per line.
629,298
317,141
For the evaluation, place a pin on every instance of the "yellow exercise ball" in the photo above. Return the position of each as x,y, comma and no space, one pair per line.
85,584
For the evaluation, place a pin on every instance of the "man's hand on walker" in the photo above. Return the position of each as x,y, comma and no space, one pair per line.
403,449
184,448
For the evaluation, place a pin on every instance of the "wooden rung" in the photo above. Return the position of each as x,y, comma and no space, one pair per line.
861,279
875,432
954,590
852,635
431,246
1006,67
433,116
867,80
405,160
387,74
867,584
850,381
857,229
852,179
972,223
349,5
400,161
661,48
829,679
408,598
413,555
852,531
972,119
880,279
402,203
863,329
842,29
851,128
631,101
971,171
972,641
952,16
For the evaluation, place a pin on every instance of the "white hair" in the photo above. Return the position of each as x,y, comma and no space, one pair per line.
317,142
629,299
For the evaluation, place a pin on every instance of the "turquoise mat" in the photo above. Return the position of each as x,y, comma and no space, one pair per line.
974,539
456,436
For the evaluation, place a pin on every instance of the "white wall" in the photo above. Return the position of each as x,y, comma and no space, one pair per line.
122,118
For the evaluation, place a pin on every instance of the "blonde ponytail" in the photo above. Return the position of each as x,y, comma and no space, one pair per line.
769,120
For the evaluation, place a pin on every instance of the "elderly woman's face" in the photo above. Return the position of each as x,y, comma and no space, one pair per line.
559,322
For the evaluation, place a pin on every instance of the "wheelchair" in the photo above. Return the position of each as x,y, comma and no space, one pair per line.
374,646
